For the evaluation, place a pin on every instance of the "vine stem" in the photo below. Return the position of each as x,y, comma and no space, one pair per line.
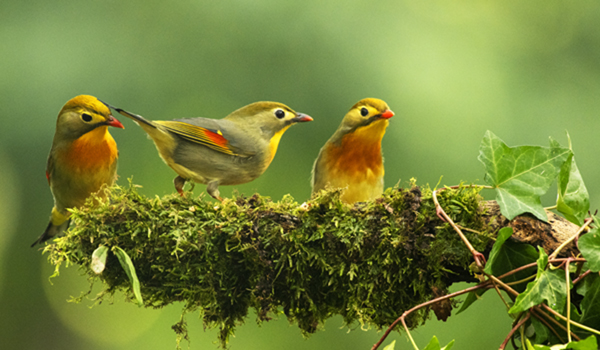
479,258
430,302
513,330
568,301
586,223
589,329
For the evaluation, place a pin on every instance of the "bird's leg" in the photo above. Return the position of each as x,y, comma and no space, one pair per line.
179,183
213,189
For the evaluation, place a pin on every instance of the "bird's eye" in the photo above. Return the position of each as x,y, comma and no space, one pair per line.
279,113
364,112
86,117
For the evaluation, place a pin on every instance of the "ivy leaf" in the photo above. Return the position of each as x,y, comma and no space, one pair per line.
541,331
502,236
434,344
472,297
586,284
127,265
590,305
548,286
573,198
507,255
520,174
391,346
99,259
590,343
589,246
586,344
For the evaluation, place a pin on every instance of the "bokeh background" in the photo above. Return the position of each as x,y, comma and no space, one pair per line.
526,70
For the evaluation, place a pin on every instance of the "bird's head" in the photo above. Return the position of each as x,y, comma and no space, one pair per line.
367,111
82,114
271,118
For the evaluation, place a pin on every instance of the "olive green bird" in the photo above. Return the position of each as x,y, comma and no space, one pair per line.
230,151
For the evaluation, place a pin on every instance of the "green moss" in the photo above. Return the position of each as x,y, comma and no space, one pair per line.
368,262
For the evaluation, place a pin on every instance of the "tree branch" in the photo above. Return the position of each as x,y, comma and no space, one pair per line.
368,262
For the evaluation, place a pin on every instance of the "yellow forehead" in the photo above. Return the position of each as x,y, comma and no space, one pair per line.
87,102
375,103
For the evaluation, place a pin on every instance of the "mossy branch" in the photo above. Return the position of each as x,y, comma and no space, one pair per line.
367,262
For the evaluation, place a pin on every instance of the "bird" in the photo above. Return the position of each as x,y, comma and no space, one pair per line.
83,158
352,157
229,151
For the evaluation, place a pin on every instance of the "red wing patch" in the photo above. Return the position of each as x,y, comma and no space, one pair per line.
48,176
216,138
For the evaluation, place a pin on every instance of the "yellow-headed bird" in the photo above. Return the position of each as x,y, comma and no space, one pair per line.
83,157
352,158
230,151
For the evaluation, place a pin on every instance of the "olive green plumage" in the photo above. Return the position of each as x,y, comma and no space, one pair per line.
230,151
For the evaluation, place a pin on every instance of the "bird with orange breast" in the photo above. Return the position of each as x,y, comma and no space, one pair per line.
83,157
352,158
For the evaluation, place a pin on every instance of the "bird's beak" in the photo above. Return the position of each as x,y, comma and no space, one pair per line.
301,117
112,121
387,114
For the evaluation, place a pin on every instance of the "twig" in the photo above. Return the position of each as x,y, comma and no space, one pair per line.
582,276
537,308
514,329
568,301
430,302
565,243
479,258
589,329
534,311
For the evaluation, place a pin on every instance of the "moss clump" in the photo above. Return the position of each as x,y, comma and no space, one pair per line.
368,262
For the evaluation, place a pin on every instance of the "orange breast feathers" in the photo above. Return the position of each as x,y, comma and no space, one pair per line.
358,157
94,150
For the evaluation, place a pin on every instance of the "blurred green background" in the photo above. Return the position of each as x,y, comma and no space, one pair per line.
450,70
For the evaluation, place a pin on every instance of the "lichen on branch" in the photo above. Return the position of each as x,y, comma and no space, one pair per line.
367,262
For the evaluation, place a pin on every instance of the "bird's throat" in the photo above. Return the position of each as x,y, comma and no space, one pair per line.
274,143
95,149
360,151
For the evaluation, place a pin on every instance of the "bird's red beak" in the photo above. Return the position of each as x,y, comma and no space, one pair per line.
112,121
301,117
387,114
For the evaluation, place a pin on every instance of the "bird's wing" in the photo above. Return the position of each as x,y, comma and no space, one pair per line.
212,138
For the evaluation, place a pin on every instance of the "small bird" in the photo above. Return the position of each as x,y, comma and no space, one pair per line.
230,151
83,157
352,157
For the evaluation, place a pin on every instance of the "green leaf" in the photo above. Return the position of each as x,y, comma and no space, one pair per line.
589,343
586,284
127,265
541,331
589,246
390,346
502,236
434,344
507,255
472,297
590,305
99,259
586,344
520,174
573,198
548,286
449,346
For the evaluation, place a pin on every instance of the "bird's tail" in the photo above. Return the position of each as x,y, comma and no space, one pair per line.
57,225
135,117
